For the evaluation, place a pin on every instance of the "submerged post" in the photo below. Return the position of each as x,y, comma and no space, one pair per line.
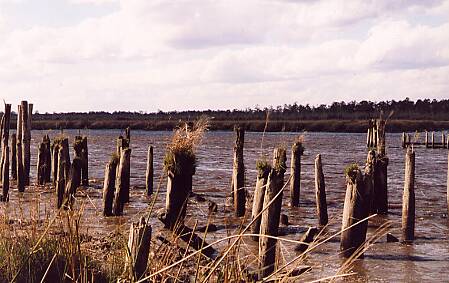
320,192
238,174
270,217
408,197
149,172
263,169
295,166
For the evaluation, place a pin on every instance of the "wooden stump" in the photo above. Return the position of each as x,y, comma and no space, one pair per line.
408,198
427,139
74,180
295,169
404,140
27,110
47,156
122,182
109,185
60,177
263,169
320,192
443,140
149,172
433,140
13,156
41,170
85,163
270,217
380,202
356,208
138,249
5,174
238,174
20,172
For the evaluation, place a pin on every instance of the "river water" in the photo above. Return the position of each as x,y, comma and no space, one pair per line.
426,260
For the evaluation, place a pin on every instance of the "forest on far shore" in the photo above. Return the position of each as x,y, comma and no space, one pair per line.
405,115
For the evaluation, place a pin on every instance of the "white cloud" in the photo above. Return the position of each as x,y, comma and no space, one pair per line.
228,54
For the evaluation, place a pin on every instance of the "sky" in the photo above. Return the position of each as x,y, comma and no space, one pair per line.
150,55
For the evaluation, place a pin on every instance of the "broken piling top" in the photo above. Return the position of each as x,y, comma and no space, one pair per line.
353,173
263,168
279,160
240,136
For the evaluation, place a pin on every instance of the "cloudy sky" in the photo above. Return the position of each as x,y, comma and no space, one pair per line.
145,55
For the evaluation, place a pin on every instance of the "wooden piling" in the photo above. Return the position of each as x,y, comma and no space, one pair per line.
356,208
5,174
295,169
443,140
149,172
320,192
41,164
238,174
60,177
433,139
122,181
139,249
270,217
426,142
109,185
5,145
408,198
404,140
47,156
20,176
263,169
74,180
13,157
180,170
26,139
85,163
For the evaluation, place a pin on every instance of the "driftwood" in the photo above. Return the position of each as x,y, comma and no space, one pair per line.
320,192
307,239
408,198
191,238
238,174
139,241
295,169
270,217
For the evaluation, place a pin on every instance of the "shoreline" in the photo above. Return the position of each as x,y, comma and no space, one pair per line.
336,126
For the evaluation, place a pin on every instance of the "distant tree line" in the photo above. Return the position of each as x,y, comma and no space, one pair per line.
437,110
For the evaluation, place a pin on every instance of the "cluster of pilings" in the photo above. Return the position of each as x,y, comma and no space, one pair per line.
430,141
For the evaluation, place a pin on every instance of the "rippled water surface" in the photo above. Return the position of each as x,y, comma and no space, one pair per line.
426,260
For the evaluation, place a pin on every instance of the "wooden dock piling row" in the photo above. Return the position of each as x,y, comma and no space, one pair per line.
432,143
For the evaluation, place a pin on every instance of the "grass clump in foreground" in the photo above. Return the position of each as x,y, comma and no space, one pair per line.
181,150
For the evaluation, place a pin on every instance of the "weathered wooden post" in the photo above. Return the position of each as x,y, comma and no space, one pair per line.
320,192
443,140
54,160
74,180
109,185
4,164
270,217
85,163
149,172
447,181
408,197
238,174
380,201
20,176
13,157
5,174
433,139
263,169
63,168
427,139
41,170
356,208
27,110
138,249
295,169
122,144
47,156
122,181
180,167
404,140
